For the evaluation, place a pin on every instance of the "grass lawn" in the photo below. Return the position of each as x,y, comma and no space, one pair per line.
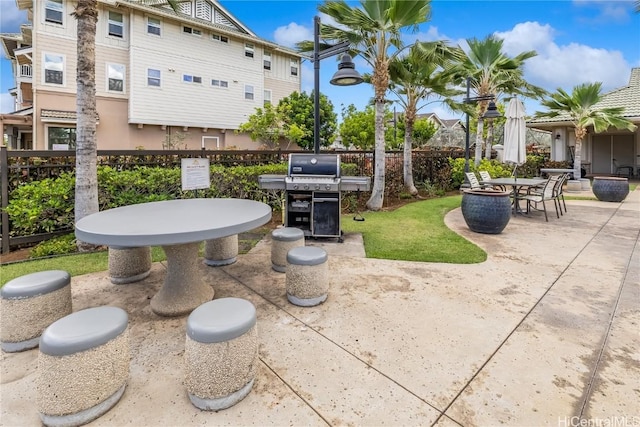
415,232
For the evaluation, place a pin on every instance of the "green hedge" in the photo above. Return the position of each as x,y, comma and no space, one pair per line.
48,205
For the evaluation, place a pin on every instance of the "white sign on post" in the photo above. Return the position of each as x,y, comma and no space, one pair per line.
195,174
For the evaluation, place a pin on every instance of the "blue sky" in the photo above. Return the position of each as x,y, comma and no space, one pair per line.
577,41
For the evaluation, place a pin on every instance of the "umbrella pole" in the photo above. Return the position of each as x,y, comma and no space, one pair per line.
515,173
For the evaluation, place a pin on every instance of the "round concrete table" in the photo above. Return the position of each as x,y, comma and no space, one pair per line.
178,226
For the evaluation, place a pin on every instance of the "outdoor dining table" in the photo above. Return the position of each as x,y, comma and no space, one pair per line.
516,184
178,226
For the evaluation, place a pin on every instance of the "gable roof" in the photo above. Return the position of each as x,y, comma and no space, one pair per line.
627,97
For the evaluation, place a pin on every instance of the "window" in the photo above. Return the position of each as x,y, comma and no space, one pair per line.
294,67
267,96
248,50
211,142
267,60
187,78
60,138
53,69
193,31
219,83
218,37
115,77
153,26
53,11
116,25
248,92
153,77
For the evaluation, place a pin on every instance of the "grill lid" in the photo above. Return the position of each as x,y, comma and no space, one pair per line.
314,164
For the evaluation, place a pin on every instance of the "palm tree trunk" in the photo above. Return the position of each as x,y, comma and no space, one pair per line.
577,167
479,140
377,192
86,193
489,142
407,164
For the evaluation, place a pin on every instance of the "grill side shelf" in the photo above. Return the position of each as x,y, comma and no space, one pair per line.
271,182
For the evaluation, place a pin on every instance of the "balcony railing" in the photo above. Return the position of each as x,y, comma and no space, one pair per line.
26,71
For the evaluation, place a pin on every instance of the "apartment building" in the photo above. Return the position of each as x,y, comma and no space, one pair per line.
186,80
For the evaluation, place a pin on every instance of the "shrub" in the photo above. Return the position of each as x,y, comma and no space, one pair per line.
57,246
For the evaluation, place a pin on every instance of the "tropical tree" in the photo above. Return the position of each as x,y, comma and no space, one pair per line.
582,110
296,111
414,78
492,72
374,29
86,192
265,126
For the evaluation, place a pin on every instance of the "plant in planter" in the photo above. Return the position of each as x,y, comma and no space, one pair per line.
485,210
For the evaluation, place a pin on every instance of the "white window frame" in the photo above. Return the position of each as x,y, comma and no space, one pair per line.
219,38
249,92
116,24
149,77
56,6
44,67
192,31
294,69
266,60
157,25
249,50
190,78
223,84
215,138
267,97
108,75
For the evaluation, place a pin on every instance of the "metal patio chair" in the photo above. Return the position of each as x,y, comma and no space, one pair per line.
547,193
620,168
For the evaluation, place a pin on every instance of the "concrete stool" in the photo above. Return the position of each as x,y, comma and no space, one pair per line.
83,366
307,280
221,353
222,251
29,304
128,265
284,239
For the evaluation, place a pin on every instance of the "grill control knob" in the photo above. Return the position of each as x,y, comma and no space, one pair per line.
328,187
306,186
317,186
295,186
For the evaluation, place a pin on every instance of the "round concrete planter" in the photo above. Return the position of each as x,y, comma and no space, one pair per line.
610,189
486,211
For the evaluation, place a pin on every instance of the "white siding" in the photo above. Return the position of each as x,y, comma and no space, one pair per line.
177,53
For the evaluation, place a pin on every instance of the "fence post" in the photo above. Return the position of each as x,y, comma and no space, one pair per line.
4,194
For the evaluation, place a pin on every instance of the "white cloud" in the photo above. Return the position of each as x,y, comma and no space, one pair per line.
10,17
6,103
291,34
564,66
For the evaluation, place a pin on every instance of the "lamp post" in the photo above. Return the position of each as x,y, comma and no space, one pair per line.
345,76
491,113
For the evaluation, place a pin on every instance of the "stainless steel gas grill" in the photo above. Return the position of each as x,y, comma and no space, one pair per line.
313,187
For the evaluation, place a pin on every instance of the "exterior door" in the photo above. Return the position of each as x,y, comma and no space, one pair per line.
609,147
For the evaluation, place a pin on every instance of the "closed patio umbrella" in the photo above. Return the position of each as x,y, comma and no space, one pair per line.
515,134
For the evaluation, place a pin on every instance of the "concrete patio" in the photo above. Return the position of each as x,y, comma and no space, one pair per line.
545,332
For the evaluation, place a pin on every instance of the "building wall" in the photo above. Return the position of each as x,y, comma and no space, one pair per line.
142,115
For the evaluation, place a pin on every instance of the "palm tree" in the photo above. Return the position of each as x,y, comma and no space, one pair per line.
581,109
86,192
492,72
414,78
374,30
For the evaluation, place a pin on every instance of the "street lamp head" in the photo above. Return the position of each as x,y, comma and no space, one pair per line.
492,112
346,74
